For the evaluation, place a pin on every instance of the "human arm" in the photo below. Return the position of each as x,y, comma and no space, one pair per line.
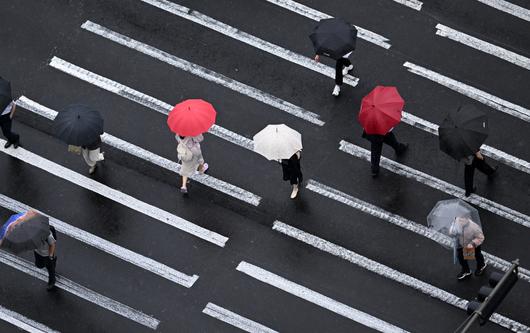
479,155
13,108
51,249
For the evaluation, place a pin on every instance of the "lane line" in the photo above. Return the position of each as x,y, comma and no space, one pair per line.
404,223
471,92
414,4
486,150
234,319
438,184
204,73
114,195
148,156
497,51
317,298
316,15
509,8
227,30
23,322
140,98
80,291
389,273
99,243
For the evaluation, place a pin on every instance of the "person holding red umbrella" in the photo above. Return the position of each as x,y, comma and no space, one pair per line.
380,112
188,120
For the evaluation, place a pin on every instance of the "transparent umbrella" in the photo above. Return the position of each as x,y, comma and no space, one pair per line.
445,212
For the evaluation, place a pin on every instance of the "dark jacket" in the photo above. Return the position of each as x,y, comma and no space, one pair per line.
292,170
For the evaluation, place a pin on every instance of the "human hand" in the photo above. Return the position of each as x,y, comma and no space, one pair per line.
317,58
479,155
469,246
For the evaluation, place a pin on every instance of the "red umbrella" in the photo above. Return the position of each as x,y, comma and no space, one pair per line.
191,117
381,110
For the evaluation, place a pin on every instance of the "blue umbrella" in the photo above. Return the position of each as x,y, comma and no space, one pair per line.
11,219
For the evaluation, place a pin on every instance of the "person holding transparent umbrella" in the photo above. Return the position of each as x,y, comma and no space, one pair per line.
283,144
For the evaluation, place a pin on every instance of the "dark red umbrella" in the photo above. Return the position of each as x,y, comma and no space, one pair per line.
191,117
381,110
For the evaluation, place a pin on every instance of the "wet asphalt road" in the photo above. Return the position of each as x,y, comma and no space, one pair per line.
35,31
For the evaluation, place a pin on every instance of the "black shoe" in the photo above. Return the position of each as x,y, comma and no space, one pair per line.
16,144
480,271
492,175
402,149
463,275
468,193
51,285
7,145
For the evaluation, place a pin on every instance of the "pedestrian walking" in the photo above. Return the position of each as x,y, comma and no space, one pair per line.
380,111
92,154
190,155
335,38
472,162
7,111
293,172
283,144
469,238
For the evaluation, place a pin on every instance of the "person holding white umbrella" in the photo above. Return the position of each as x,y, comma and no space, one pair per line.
283,144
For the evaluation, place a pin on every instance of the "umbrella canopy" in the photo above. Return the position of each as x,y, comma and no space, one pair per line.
5,94
277,142
333,37
445,212
463,132
191,117
78,125
27,235
381,110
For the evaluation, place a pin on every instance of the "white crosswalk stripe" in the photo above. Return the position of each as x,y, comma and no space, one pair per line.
236,320
316,15
246,38
414,4
387,272
471,92
317,298
509,8
114,195
403,170
99,243
497,51
146,155
23,322
204,73
80,291
404,223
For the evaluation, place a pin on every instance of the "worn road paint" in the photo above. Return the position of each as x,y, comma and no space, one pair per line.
235,320
23,322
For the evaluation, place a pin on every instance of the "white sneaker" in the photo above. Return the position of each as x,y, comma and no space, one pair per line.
294,193
336,91
345,70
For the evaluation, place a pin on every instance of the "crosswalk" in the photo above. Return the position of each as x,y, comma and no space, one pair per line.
313,124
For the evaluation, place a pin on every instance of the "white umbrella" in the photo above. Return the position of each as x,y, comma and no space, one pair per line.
277,142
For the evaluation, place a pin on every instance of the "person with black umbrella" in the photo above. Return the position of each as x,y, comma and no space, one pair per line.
7,110
335,38
472,162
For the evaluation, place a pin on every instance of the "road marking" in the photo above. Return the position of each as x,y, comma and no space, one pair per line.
387,272
23,322
101,244
316,15
471,92
403,170
414,4
227,30
141,98
404,223
146,155
483,46
509,8
114,195
317,298
80,291
204,73
486,150
234,319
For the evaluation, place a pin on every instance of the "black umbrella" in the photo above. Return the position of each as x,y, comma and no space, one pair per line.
27,235
78,125
463,132
334,37
5,94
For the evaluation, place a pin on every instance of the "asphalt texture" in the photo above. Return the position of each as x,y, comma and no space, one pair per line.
35,31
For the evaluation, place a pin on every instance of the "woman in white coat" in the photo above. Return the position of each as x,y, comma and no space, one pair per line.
190,155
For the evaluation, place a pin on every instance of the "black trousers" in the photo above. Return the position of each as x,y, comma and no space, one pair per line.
5,124
341,63
464,263
469,171
377,148
50,264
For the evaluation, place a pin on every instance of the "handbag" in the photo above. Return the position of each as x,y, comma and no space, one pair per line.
74,149
469,254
